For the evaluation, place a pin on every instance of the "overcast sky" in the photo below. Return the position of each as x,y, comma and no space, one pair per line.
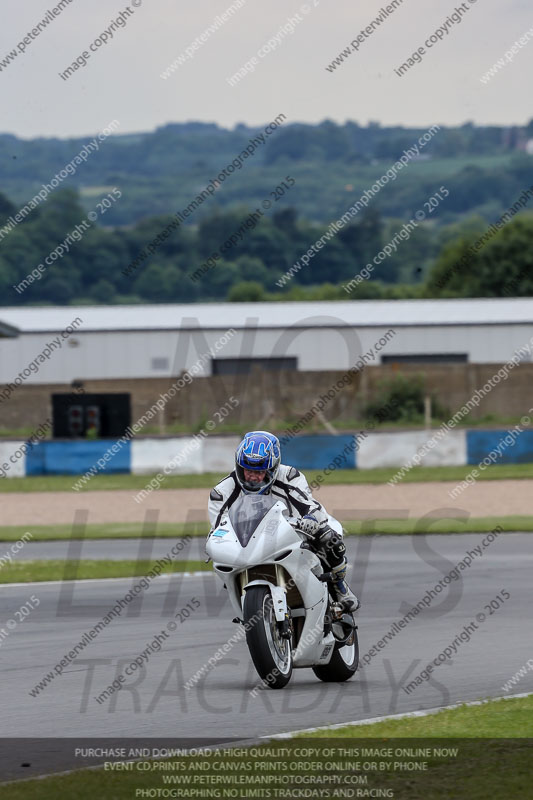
122,79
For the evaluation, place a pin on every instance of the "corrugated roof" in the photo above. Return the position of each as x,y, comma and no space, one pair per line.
222,316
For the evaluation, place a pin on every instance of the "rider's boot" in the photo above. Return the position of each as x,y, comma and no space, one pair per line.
340,589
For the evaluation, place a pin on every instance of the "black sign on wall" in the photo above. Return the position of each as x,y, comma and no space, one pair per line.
90,415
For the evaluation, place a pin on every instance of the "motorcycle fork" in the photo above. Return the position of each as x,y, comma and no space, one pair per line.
285,628
243,580
280,577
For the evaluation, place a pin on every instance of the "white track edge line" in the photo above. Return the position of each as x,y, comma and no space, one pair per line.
405,715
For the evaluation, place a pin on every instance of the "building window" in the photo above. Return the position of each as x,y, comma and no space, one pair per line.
159,363
243,366
426,358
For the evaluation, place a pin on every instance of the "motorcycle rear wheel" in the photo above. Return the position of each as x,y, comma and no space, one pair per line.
271,654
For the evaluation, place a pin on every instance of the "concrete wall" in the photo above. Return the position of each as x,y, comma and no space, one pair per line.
283,395
12,459
395,449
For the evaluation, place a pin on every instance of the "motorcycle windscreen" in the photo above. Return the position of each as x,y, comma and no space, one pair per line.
247,512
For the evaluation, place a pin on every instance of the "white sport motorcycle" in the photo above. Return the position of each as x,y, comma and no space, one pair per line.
279,591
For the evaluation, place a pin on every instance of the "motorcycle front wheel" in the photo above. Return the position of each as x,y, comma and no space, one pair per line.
344,662
271,654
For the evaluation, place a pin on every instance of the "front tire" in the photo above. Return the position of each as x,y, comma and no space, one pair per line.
344,662
271,654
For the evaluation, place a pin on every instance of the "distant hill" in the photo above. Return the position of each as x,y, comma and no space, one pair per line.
193,212
162,172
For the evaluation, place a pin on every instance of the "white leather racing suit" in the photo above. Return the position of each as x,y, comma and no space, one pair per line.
290,485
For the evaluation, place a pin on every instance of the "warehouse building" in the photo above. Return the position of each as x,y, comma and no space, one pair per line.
160,341
7,331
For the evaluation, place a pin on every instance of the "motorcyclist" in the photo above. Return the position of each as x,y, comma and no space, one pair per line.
258,470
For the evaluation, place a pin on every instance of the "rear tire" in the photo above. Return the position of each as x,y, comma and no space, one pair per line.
272,655
344,662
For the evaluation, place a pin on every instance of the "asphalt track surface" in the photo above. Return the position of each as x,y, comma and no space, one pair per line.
132,549
108,549
391,575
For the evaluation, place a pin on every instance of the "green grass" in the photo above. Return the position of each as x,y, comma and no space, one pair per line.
278,426
109,530
64,483
424,474
415,423
498,767
495,719
57,570
17,433
495,758
127,482
426,525
136,530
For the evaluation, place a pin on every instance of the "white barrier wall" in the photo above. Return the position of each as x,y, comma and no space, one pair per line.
190,455
12,461
396,449
153,455
218,453
196,454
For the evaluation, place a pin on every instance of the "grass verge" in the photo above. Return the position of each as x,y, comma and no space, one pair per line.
495,751
458,766
133,530
426,525
111,482
109,530
64,483
29,571
503,719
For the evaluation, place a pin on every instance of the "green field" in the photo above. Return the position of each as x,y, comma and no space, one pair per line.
55,570
475,753
114,530
342,426
64,483
166,530
501,719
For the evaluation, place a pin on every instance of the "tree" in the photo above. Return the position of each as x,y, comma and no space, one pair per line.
58,289
295,143
267,244
103,292
7,208
286,220
500,267
249,269
216,229
370,234
246,292
59,214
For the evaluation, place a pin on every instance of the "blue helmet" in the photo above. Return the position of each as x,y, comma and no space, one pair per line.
259,450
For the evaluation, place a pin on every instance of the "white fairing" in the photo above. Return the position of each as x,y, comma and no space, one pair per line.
257,532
